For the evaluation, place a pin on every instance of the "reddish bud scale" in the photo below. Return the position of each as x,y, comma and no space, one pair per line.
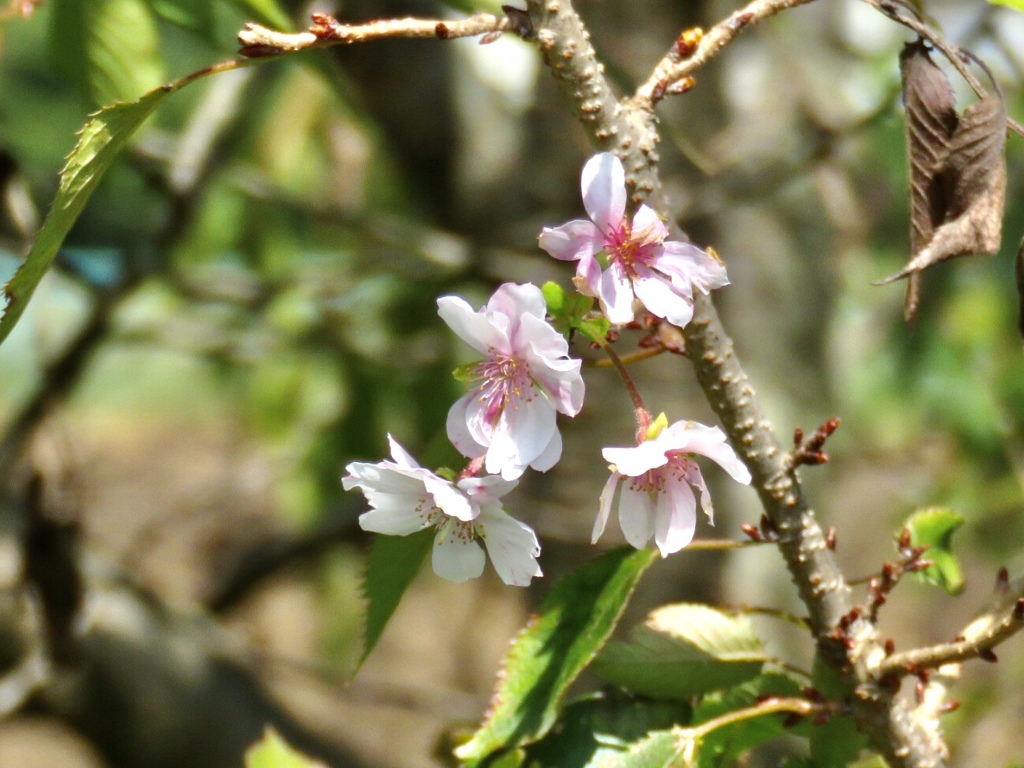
949,706
830,539
687,42
1003,580
1018,609
987,654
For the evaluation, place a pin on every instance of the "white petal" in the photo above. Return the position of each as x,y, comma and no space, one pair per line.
687,262
550,455
484,490
459,432
394,523
635,461
512,545
474,328
636,515
616,294
604,190
401,456
383,477
514,300
572,241
607,496
690,437
449,499
524,430
676,515
457,555
658,296
696,479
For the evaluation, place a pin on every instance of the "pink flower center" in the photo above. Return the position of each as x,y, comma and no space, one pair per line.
652,482
630,248
503,380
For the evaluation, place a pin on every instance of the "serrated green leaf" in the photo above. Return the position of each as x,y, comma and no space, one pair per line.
600,726
570,627
99,143
723,746
659,749
394,562
684,650
274,752
109,48
935,527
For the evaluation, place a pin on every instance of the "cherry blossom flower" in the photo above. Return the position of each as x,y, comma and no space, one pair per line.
468,516
640,262
508,416
658,479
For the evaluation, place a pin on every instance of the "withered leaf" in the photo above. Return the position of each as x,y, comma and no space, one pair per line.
931,120
962,200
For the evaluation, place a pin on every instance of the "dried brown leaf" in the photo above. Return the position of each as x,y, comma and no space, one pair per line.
931,120
974,173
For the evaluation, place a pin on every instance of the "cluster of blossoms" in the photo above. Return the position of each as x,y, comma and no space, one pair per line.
506,422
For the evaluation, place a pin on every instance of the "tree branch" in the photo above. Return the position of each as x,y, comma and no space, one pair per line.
326,31
685,58
984,633
844,638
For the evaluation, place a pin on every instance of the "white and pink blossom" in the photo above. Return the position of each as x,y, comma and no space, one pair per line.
655,481
641,262
468,515
508,416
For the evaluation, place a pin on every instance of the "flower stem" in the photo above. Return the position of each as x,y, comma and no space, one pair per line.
643,416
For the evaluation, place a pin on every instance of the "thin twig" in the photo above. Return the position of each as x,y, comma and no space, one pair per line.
682,61
976,641
257,41
955,55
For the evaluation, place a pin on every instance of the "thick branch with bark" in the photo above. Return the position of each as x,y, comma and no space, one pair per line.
845,640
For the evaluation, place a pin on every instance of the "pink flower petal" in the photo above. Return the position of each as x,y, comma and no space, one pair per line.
472,327
523,432
550,455
604,190
464,439
572,241
616,294
657,295
514,301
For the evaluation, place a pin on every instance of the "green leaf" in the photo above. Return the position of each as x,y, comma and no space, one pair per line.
567,310
394,562
596,328
723,746
934,527
273,752
659,749
109,48
265,12
1017,5
570,627
194,15
598,728
99,143
836,743
684,650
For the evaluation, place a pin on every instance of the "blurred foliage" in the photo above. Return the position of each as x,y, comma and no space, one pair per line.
271,257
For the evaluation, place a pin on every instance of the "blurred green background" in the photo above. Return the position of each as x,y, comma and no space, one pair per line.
248,304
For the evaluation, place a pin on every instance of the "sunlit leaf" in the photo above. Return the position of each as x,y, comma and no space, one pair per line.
99,143
596,729
267,12
273,752
682,651
394,563
570,627
935,527
194,15
108,48
1017,5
